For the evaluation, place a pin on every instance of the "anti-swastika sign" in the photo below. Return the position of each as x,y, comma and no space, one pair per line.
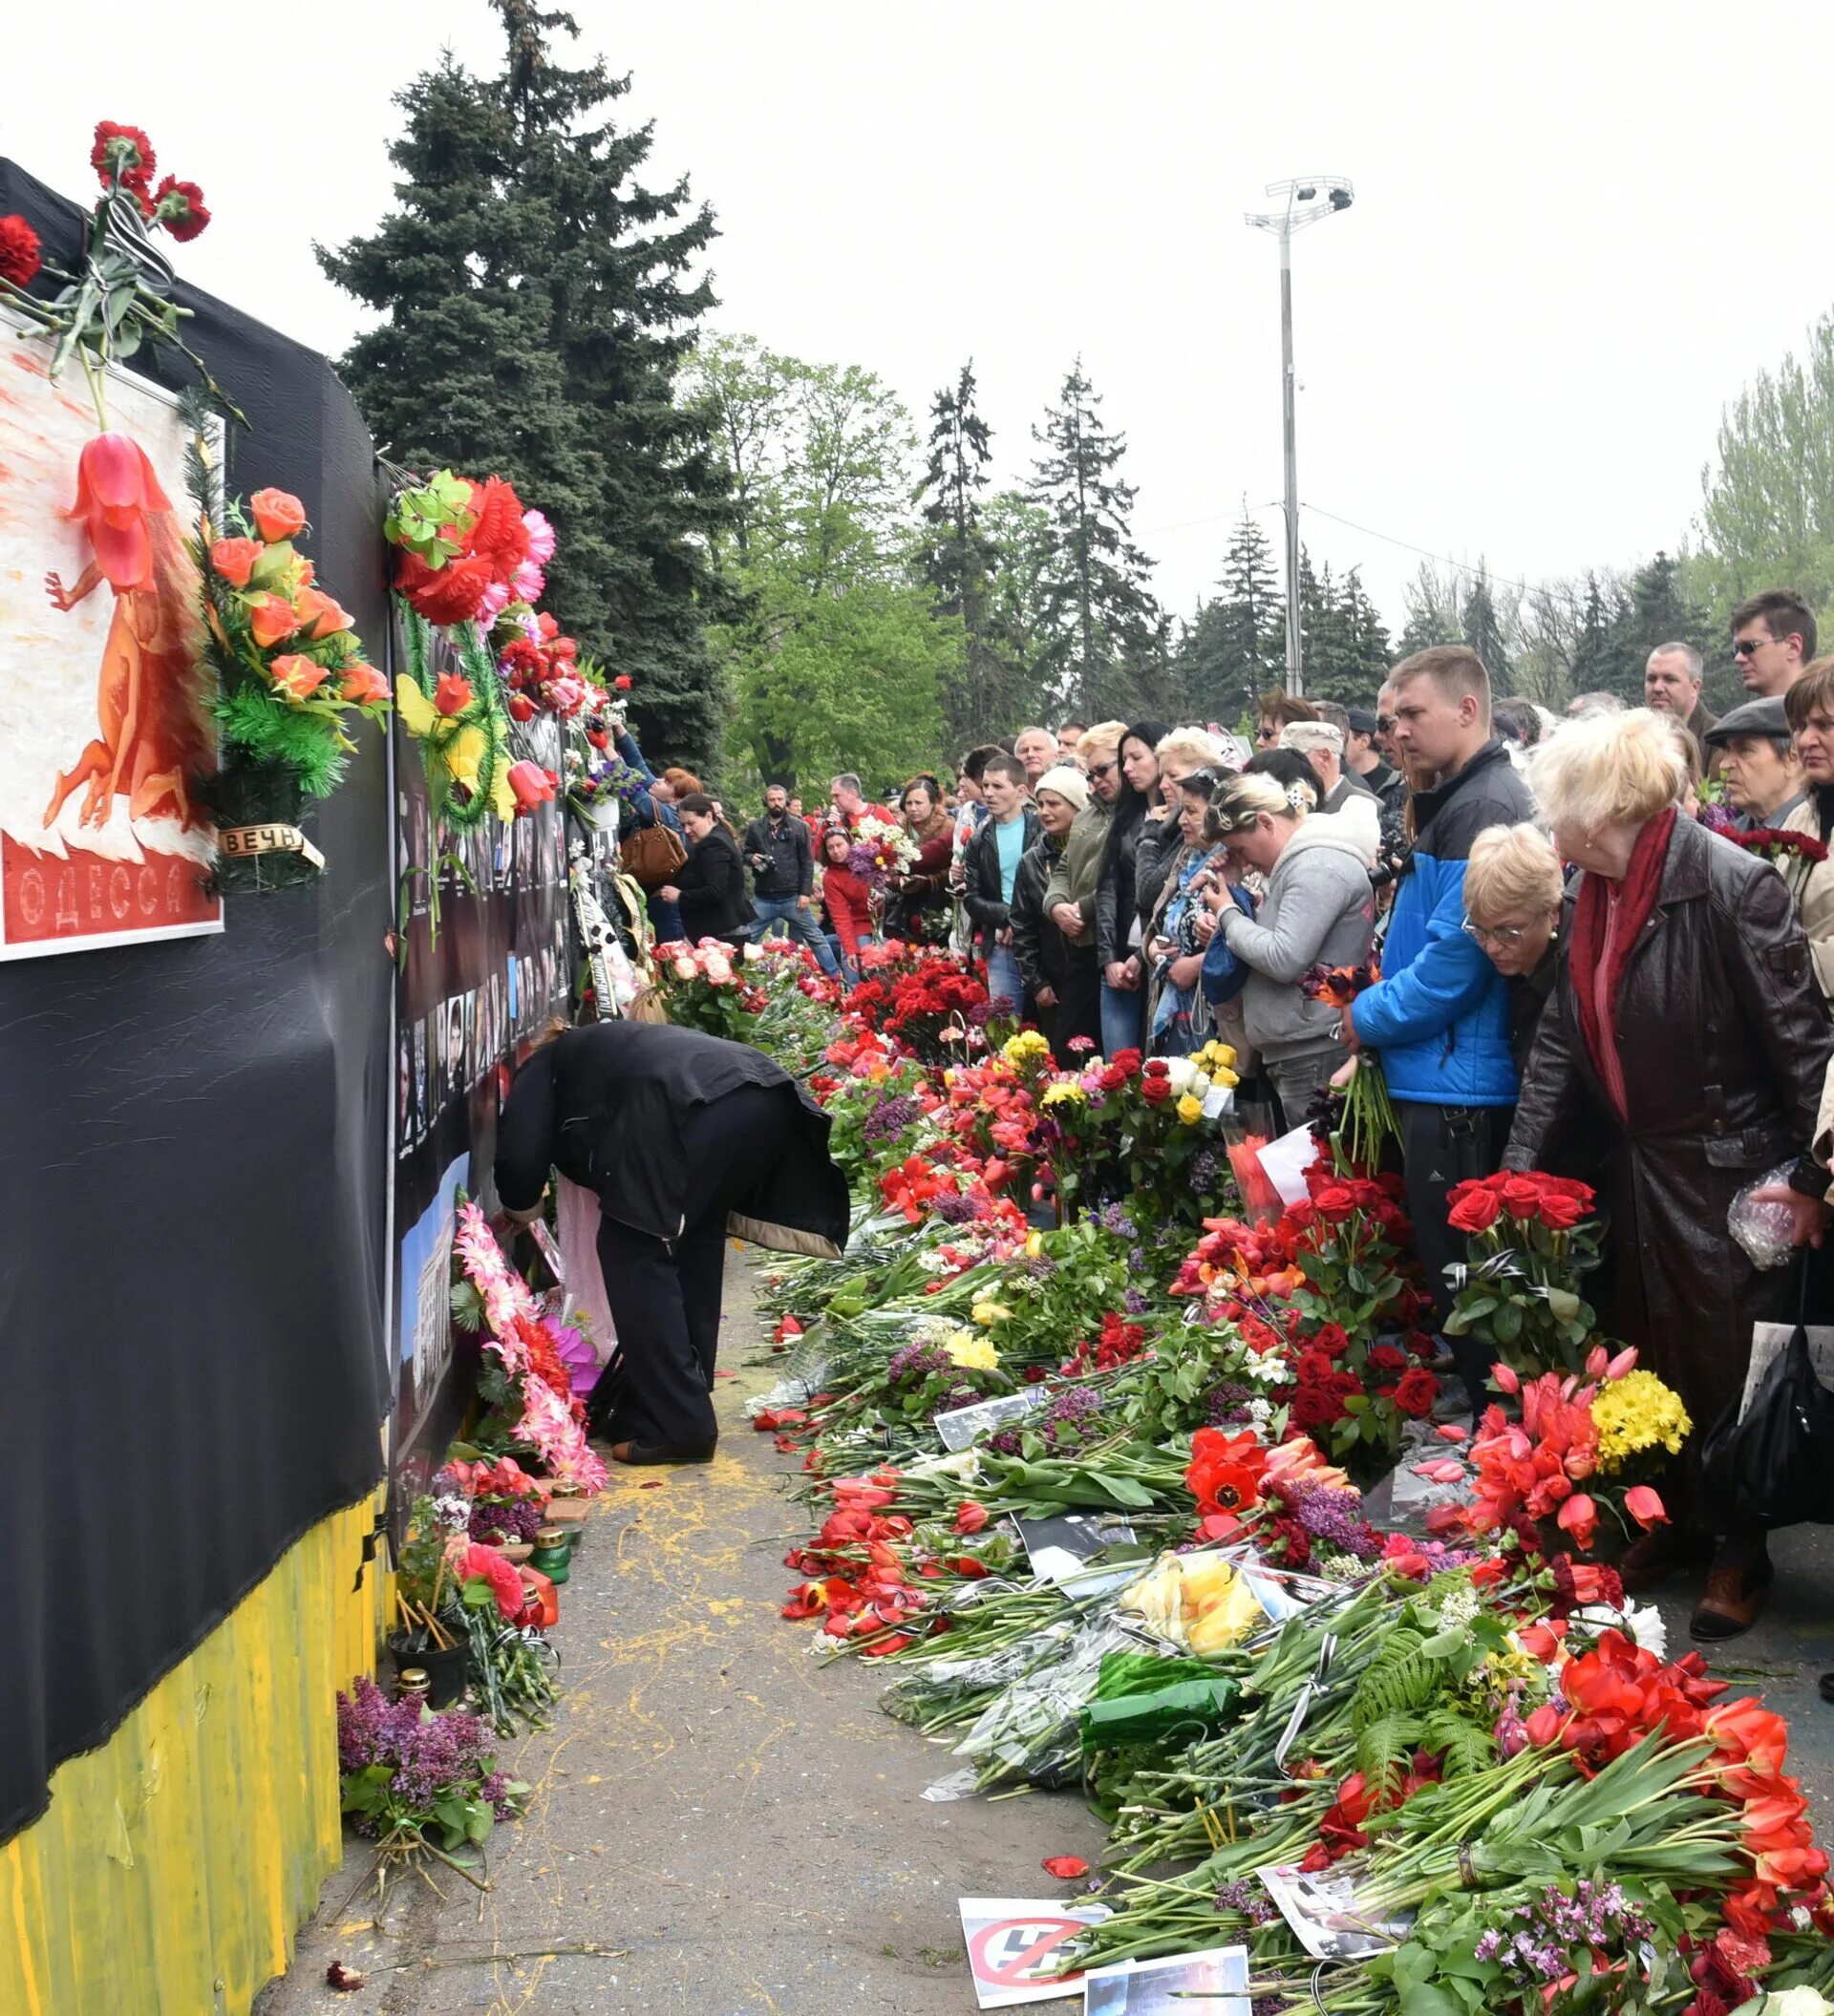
1017,1948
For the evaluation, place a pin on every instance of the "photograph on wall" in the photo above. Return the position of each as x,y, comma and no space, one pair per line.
103,727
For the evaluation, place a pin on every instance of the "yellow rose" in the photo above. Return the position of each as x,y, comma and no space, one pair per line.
1033,1244
1190,1109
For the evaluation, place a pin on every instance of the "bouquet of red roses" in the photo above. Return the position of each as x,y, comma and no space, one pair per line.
1530,1238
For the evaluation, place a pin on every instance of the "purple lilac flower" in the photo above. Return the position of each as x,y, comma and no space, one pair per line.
1203,1168
514,1520
1333,1516
1245,1900
952,1208
1135,1302
1113,1218
1226,1404
889,1119
427,1754
984,1011
1071,1417
915,1363
1137,1261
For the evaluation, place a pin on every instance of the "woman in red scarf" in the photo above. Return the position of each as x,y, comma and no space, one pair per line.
1686,1037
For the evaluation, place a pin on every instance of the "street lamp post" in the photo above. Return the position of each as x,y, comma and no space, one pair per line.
1309,199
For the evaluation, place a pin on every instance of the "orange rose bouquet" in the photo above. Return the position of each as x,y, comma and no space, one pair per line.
289,667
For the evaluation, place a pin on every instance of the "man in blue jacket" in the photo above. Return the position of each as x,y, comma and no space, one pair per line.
1439,1015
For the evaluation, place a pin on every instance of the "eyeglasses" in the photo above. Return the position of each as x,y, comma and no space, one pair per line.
1384,724
1101,770
1266,735
1750,647
1504,935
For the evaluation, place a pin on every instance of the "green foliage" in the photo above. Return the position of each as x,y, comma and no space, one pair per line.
534,308
1768,501
1234,646
1104,639
960,561
839,658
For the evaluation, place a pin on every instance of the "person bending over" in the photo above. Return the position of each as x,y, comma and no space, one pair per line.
684,1140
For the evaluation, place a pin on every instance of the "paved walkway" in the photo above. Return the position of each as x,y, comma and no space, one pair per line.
736,1824
739,1828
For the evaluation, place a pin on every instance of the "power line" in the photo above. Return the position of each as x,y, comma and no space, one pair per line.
1483,570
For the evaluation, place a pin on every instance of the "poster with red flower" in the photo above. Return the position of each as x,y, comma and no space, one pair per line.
104,731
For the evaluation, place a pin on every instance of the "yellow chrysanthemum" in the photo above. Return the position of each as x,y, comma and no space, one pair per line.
1026,1045
974,1355
1190,1109
1066,1091
1638,1414
988,1313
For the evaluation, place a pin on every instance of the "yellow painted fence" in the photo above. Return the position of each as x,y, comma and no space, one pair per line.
175,1862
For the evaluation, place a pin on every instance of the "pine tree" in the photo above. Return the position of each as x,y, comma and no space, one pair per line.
1369,654
959,560
1246,626
1483,632
535,314
1099,614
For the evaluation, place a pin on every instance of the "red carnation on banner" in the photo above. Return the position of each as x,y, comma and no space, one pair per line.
125,145
179,206
20,255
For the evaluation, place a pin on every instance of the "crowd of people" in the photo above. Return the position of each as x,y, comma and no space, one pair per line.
1575,945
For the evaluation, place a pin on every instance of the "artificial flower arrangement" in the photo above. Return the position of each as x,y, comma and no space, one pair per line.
121,297
469,563
525,1380
290,670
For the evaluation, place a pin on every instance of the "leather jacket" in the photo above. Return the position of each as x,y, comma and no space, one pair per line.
1723,1042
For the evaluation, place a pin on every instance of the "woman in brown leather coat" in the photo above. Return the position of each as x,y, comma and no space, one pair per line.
1686,1038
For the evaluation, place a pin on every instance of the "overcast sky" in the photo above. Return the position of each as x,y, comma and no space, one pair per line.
1577,229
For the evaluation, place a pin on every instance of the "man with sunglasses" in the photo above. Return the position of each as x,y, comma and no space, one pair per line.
1278,710
1773,639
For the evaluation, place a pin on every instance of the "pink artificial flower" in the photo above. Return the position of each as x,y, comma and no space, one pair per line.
528,582
540,537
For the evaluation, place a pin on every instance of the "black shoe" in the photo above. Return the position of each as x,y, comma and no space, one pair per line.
663,1452
1826,1685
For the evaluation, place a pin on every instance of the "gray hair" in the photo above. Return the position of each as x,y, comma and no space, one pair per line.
1588,707
1050,733
848,782
1691,659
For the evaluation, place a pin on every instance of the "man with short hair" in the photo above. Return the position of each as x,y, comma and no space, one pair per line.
1671,682
1773,639
1321,743
1036,748
1440,1015
782,863
851,803
988,869
1070,734
1363,757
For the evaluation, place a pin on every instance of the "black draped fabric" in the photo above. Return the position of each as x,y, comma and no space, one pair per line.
193,1183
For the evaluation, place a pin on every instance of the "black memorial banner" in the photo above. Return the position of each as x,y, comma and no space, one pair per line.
484,968
193,1175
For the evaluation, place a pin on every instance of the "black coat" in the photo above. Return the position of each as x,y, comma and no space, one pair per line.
1115,912
1724,1041
713,903
981,896
605,1104
790,869
1156,847
1048,959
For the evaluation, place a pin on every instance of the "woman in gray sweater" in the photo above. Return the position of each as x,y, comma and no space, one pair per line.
1318,909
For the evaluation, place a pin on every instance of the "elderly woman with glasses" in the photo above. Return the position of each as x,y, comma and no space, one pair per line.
1686,1039
1512,891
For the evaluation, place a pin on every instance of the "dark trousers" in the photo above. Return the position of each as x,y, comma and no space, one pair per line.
664,1294
1443,1146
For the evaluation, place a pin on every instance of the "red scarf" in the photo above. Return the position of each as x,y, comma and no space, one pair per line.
1607,918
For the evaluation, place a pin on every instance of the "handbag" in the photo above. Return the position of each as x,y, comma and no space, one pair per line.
652,855
1769,1459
